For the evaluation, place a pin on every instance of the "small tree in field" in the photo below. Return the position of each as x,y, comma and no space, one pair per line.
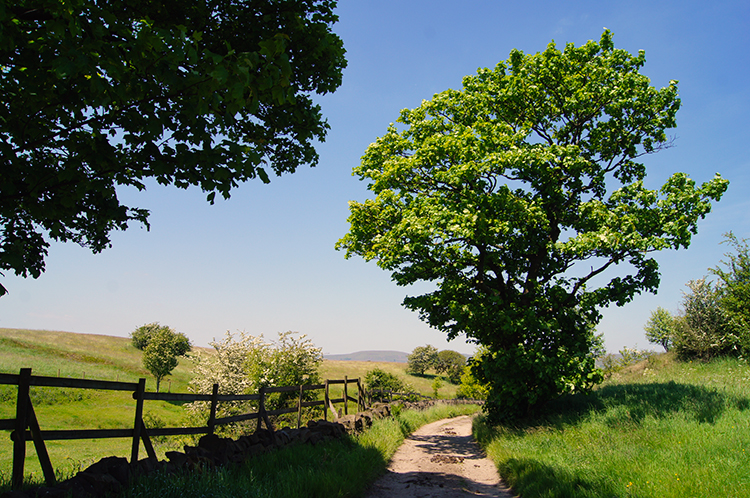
159,357
161,346
377,380
452,364
422,359
660,328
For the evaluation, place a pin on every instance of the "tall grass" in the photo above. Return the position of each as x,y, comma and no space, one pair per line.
659,429
339,468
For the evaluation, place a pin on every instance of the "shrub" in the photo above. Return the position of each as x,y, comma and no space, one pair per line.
470,387
378,379
244,364
703,331
735,290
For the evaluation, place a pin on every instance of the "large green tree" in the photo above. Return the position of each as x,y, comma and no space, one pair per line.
517,196
96,95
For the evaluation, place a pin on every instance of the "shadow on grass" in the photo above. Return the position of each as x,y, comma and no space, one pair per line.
534,478
333,468
631,403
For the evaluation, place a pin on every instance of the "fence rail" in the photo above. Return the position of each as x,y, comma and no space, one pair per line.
25,426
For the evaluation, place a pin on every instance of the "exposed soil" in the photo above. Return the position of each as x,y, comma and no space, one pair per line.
440,459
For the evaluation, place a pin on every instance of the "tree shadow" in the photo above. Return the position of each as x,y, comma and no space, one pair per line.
534,478
631,403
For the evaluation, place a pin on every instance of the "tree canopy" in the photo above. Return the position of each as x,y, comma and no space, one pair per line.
161,346
518,196
421,359
98,95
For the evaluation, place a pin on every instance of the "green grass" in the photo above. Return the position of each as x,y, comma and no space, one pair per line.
343,468
72,355
659,429
336,369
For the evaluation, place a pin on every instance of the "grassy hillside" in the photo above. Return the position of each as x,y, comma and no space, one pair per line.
113,358
336,369
661,429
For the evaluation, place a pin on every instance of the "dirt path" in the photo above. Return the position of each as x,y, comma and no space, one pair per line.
440,459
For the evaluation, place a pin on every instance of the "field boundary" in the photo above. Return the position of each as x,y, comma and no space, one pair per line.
25,426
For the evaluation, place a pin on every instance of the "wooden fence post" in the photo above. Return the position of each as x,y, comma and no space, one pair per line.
361,401
299,408
326,399
19,443
138,423
214,402
346,396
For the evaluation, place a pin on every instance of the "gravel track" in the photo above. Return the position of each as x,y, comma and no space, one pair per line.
440,460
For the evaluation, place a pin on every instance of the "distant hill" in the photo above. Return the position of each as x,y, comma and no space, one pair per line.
397,356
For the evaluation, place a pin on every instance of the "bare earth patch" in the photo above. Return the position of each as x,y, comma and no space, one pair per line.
440,459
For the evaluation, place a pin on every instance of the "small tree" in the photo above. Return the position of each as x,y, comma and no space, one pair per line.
703,330
436,385
452,364
660,328
377,380
735,290
160,356
143,334
422,359
161,346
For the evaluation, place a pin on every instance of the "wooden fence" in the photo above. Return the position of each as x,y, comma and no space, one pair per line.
25,426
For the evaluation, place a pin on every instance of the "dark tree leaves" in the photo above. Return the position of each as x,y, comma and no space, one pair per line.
199,93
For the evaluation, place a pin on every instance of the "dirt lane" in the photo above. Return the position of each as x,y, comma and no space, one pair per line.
440,460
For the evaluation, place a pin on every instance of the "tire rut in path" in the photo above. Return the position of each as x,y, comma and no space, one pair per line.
440,460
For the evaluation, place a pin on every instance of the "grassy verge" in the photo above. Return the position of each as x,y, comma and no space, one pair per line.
659,429
336,468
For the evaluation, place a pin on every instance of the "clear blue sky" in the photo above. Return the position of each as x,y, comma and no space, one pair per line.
264,261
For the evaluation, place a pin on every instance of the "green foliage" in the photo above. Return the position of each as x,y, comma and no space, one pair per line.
436,385
734,280
161,346
452,364
143,334
494,192
470,387
703,330
160,356
421,359
244,365
378,379
660,328
108,94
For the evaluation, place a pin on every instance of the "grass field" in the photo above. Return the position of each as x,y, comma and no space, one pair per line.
661,429
103,357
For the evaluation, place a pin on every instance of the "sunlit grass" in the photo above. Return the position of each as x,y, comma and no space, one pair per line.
343,468
661,429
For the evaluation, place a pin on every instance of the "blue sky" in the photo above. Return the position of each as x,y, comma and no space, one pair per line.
264,261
